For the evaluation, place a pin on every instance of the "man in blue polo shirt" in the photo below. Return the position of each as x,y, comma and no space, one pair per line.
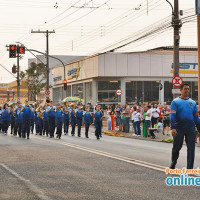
184,117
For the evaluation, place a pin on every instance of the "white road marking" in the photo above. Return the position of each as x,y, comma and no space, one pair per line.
109,155
32,187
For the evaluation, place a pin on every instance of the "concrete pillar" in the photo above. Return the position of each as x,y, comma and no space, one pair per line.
94,92
123,88
162,93
84,94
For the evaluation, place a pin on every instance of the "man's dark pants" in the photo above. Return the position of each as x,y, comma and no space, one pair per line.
178,143
79,123
26,128
51,125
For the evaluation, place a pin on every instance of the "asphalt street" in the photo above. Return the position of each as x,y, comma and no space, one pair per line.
80,168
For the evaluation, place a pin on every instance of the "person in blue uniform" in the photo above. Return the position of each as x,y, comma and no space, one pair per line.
66,117
6,118
1,123
26,109
87,120
40,119
20,120
59,120
16,118
51,119
45,122
184,117
36,105
32,119
12,118
79,118
98,118
73,119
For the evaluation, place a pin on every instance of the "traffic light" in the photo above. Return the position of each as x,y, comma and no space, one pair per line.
12,51
65,84
21,50
14,69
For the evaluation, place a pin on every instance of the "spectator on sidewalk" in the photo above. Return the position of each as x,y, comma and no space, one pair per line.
132,118
158,128
127,117
109,121
148,119
137,122
119,111
144,128
155,115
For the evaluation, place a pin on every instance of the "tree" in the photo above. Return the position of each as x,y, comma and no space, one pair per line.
36,78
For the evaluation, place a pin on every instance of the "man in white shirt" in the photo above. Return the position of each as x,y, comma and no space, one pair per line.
155,115
137,121
148,119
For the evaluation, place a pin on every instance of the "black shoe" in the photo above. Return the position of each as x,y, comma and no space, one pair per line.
59,138
51,136
56,136
173,165
27,138
86,136
79,135
98,138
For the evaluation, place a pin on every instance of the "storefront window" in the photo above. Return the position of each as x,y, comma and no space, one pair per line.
142,91
88,92
107,91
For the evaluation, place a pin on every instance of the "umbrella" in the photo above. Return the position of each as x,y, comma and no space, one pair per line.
71,99
12,102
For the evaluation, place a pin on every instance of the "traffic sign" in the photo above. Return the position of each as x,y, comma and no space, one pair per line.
176,91
177,81
47,92
119,92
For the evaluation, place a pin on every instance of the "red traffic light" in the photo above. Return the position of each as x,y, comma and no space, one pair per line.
21,50
13,47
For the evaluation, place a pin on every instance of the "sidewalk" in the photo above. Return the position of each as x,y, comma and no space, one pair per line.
167,137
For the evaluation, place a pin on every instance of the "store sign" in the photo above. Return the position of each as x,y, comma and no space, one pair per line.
58,78
198,7
186,68
73,73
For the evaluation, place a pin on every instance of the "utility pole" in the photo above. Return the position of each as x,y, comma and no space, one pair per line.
177,25
47,33
18,81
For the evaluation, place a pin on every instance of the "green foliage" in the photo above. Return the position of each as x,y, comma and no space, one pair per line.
36,78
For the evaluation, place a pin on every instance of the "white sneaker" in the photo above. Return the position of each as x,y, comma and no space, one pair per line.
5,133
139,135
134,135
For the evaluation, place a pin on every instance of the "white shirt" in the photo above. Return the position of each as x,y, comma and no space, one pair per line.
109,118
137,117
155,112
133,115
148,117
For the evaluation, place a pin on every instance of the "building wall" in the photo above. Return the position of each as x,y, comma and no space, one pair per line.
143,64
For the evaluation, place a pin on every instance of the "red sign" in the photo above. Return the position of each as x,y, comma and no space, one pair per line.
47,92
177,81
119,92
21,50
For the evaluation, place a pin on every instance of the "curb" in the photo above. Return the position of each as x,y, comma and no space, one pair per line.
113,134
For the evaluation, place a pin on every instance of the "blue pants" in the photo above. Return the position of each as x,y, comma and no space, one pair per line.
51,125
36,125
109,125
45,127
87,126
32,125
66,125
26,128
5,125
59,128
79,123
127,126
16,126
20,128
73,123
177,145
137,128
12,125
98,129
40,125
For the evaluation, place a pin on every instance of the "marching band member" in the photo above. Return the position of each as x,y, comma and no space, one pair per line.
26,119
12,118
66,117
79,118
59,120
87,120
73,119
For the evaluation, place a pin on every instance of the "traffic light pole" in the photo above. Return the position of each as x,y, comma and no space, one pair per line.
47,33
18,81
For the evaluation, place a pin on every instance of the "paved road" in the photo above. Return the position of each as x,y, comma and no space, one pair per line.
80,168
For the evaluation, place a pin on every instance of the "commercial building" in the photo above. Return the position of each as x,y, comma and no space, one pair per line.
142,76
